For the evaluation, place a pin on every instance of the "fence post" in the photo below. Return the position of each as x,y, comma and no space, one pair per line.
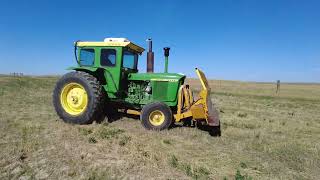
278,86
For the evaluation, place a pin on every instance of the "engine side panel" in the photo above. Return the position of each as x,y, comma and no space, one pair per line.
144,92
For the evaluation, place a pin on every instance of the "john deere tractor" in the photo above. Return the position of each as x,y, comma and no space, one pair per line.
106,77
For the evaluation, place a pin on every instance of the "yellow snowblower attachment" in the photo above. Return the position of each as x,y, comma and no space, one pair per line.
202,108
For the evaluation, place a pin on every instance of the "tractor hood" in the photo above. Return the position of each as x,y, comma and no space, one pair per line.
173,77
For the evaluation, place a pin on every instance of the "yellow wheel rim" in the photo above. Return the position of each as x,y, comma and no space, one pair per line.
156,118
74,99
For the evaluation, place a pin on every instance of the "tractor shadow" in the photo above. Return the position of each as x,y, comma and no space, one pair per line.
188,123
112,116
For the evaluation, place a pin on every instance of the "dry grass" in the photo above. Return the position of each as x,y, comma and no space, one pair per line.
264,136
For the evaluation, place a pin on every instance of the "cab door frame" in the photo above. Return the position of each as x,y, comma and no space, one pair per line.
112,74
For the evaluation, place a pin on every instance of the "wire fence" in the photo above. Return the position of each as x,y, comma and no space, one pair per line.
16,74
263,89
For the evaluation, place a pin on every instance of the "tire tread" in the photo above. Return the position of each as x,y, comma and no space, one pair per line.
97,96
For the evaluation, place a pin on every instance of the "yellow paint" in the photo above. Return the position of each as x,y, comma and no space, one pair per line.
179,105
112,44
187,101
156,118
196,109
134,112
203,79
74,99
183,115
190,96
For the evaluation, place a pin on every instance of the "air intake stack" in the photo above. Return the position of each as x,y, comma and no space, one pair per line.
150,57
166,56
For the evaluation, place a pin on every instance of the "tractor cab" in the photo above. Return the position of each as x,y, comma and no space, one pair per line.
114,58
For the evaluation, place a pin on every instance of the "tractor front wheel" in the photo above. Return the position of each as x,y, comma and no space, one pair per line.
78,97
156,116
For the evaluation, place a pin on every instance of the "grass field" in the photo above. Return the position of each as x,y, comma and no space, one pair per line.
264,136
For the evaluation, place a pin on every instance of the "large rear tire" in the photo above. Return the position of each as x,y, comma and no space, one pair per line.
78,98
156,116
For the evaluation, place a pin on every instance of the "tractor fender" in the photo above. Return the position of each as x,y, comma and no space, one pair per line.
86,69
94,71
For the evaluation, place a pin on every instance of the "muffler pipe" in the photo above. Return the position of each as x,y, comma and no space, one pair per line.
150,57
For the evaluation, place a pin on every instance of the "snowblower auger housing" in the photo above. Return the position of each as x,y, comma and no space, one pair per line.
200,109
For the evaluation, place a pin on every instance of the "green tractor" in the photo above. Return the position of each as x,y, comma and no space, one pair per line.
107,77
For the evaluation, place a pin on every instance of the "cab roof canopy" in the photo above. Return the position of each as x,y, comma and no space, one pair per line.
113,42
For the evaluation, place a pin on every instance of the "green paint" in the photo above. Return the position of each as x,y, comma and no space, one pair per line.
91,69
156,76
166,65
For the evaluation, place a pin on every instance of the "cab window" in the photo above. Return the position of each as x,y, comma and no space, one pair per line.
108,57
130,60
86,57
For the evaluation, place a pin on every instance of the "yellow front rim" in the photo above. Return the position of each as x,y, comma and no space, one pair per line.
74,98
156,118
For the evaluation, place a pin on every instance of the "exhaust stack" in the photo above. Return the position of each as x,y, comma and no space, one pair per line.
150,57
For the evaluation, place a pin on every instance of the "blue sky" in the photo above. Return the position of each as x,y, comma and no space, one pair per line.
250,40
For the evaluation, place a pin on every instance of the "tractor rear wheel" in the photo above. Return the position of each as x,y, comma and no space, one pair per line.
78,98
156,116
